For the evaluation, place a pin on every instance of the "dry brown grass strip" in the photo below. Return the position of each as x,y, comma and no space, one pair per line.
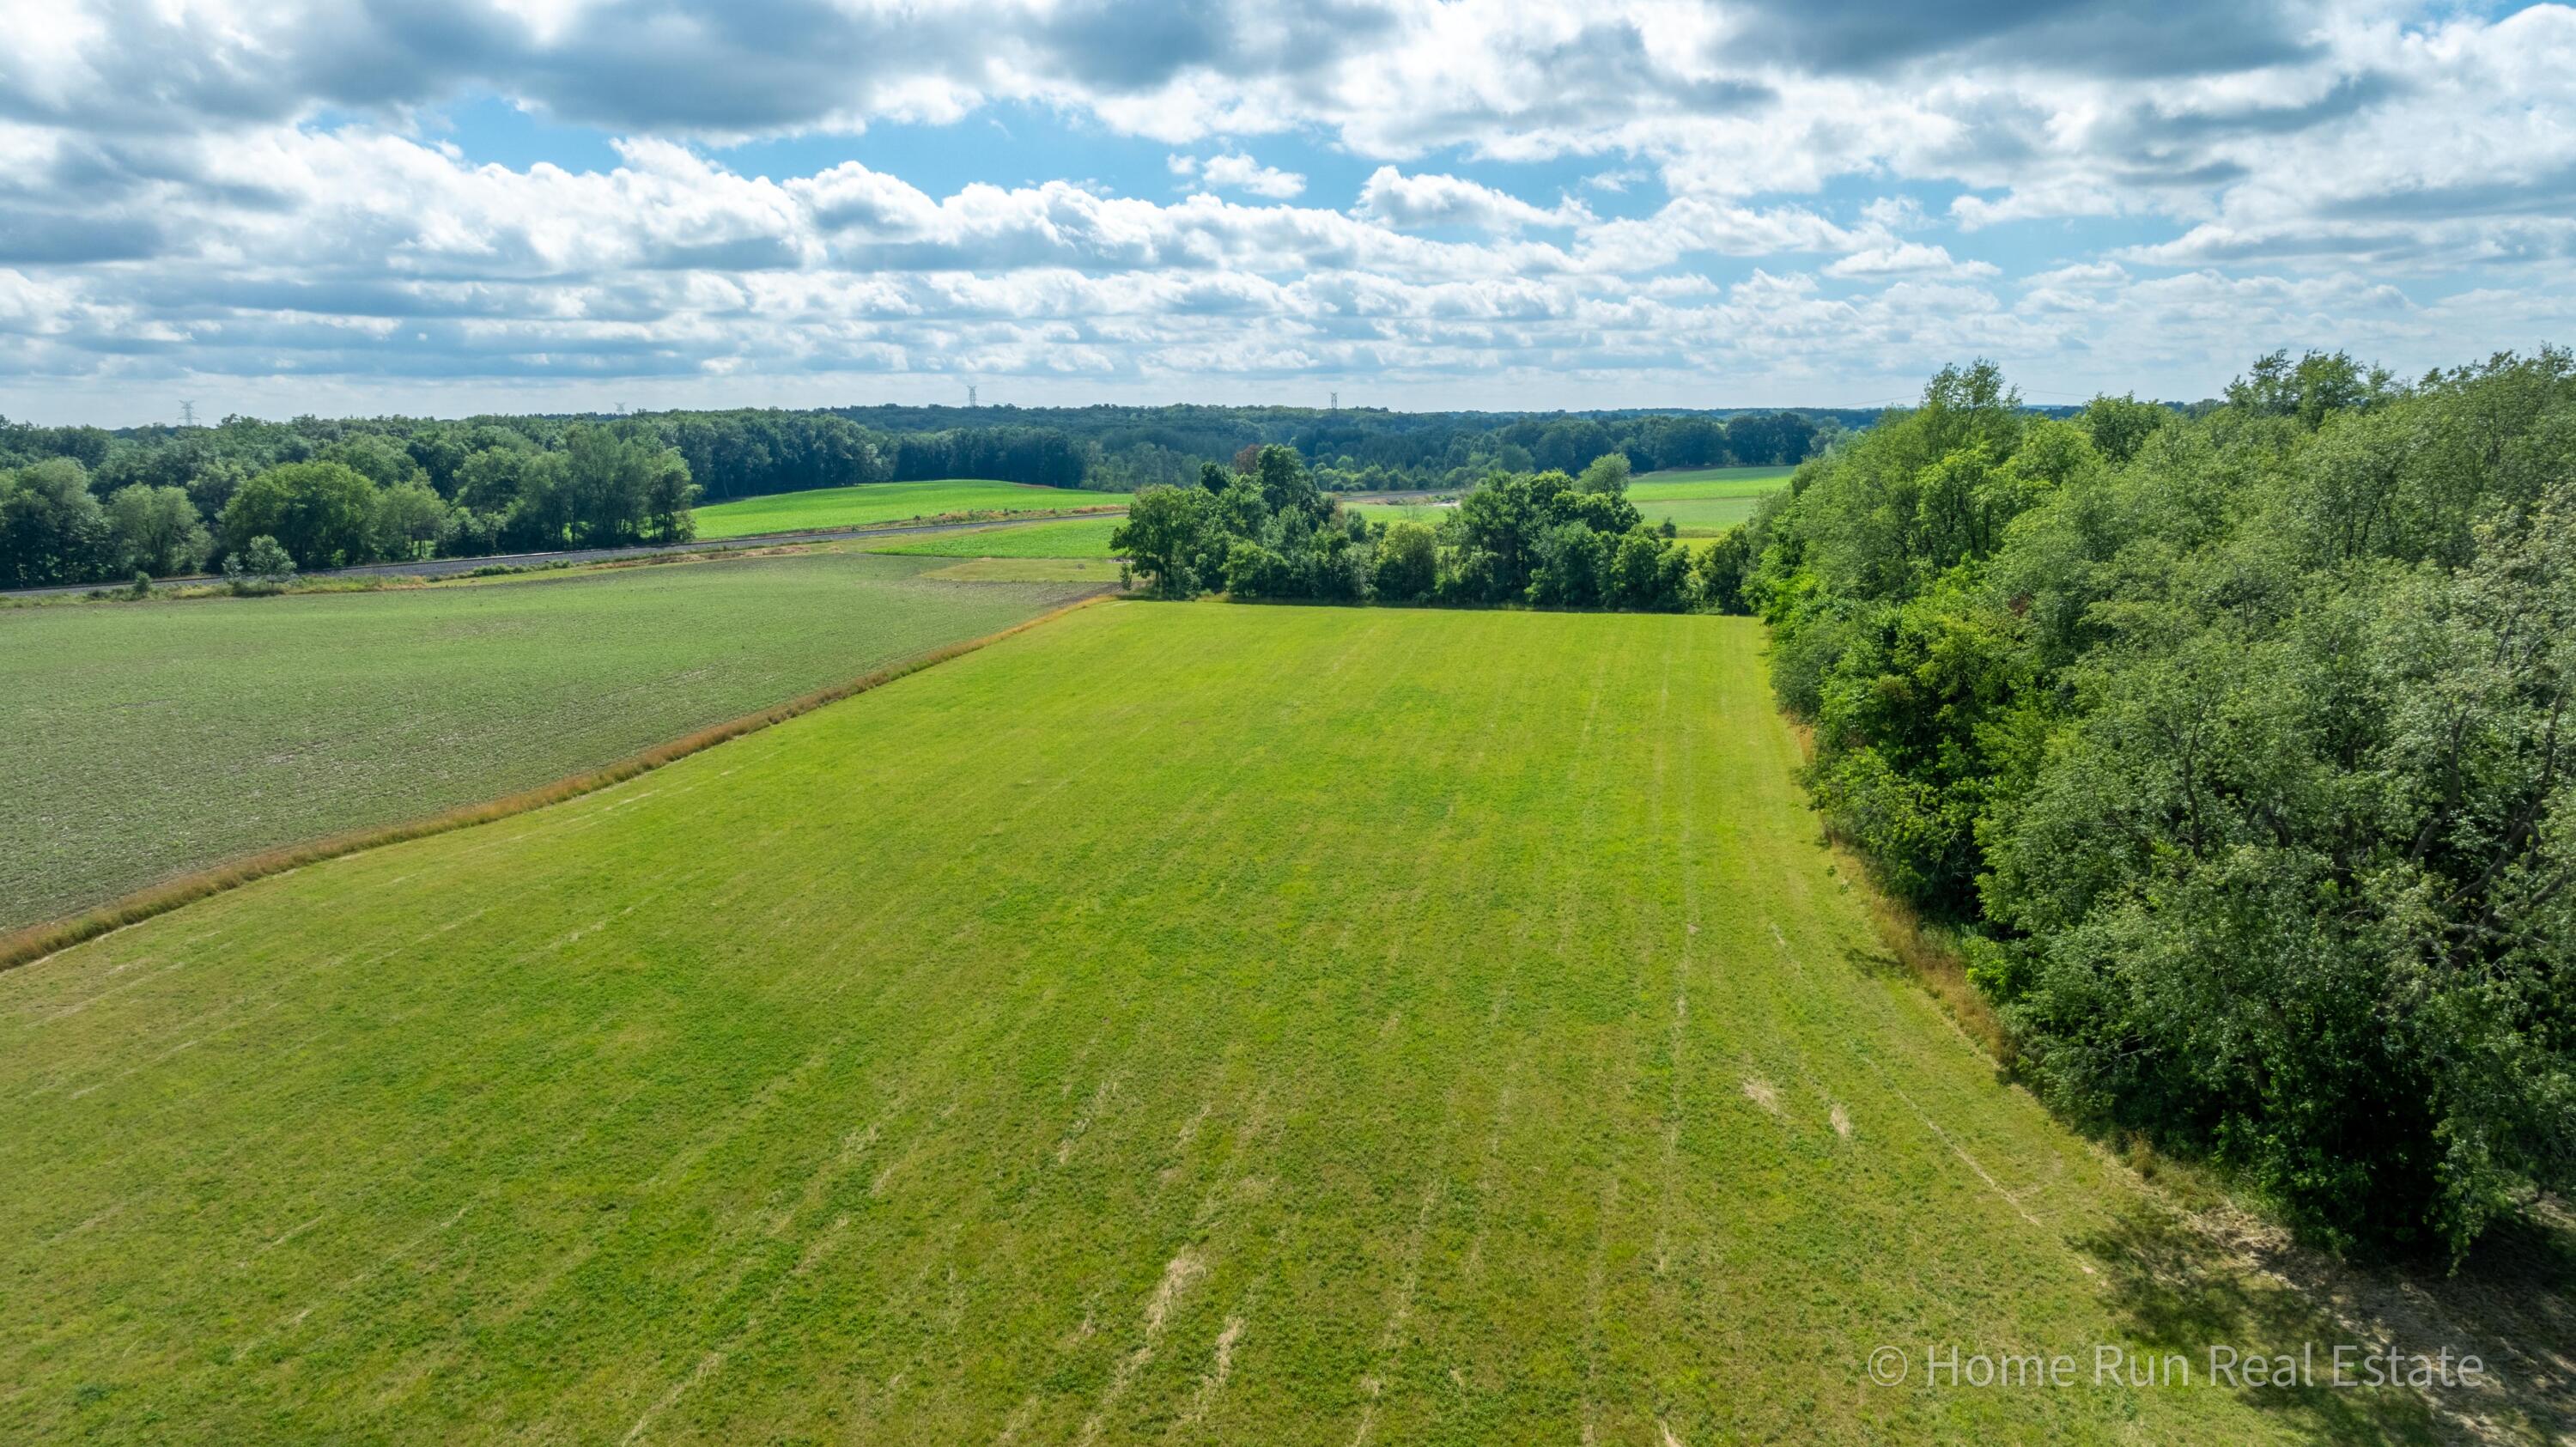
1934,963
39,941
1932,960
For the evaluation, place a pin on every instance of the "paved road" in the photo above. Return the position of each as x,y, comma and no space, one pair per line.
445,567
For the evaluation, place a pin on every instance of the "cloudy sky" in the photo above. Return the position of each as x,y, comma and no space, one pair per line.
445,206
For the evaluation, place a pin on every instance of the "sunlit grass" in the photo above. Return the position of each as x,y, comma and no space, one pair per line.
888,502
1078,538
147,739
1176,1022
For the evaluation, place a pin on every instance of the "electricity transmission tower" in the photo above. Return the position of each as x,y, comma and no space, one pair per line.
970,397
187,414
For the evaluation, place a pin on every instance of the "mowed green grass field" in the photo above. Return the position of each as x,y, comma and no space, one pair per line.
1173,1023
1701,503
1428,513
141,740
888,502
1075,538
1704,502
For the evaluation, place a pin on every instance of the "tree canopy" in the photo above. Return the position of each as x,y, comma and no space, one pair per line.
1264,530
2232,743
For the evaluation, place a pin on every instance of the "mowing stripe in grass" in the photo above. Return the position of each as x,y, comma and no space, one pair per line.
36,942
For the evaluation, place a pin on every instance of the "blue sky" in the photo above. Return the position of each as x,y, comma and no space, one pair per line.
445,206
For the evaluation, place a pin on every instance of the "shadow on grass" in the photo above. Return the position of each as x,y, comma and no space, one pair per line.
2184,1270
2181,1285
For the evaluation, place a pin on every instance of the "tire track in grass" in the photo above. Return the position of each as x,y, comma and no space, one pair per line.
1448,833
1675,791
1183,1269
1220,1368
1622,1070
352,1282
272,993
1397,1332
1388,1353
1205,812
380,1185
179,1102
713,1361
1195,1259
1677,1046
770,1222
1843,1126
1595,1288
448,1063
774,1219
1101,1103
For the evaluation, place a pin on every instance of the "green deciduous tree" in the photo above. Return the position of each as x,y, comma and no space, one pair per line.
52,529
410,521
322,513
1408,563
2234,742
1162,537
1606,473
157,531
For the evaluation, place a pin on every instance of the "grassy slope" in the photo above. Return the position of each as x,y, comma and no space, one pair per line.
1080,538
1182,1022
887,502
142,740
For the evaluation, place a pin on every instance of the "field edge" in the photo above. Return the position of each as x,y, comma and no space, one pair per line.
35,943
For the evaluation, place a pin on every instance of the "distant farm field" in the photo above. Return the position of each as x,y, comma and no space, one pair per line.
1700,503
1077,538
888,502
141,740
1709,482
1705,501
1177,1022
1103,572
1413,512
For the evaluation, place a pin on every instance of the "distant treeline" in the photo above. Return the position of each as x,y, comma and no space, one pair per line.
1370,449
78,505
83,504
2236,743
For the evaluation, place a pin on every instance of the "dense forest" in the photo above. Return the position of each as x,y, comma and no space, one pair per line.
77,505
1264,529
1370,449
81,504
2231,743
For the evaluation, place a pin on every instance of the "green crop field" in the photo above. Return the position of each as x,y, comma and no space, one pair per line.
1701,503
1076,538
1709,482
888,502
1101,572
142,740
1176,1022
1706,501
1412,512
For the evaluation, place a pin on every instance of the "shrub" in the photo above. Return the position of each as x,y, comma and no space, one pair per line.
261,567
